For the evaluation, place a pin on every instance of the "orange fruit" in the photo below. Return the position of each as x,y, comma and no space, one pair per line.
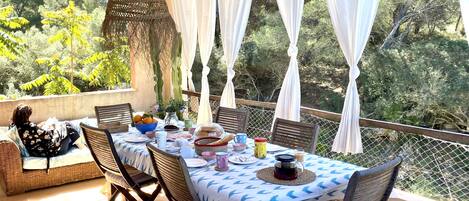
147,120
137,118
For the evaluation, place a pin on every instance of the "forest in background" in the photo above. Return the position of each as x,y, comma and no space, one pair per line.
414,69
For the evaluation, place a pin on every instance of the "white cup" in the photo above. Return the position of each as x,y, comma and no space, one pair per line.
181,142
161,139
187,152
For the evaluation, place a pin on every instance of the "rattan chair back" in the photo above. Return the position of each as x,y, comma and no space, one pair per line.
294,134
121,113
232,120
172,173
104,153
374,184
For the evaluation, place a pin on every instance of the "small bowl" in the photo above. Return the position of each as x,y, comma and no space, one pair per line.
239,147
208,155
191,131
143,128
150,134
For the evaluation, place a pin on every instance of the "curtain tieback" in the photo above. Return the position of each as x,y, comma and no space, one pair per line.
292,50
205,71
354,73
189,74
231,74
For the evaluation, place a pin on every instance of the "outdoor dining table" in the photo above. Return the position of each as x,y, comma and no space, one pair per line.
240,181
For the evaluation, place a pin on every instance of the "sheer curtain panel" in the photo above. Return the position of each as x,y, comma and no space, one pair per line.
185,12
233,16
465,15
289,100
206,17
352,21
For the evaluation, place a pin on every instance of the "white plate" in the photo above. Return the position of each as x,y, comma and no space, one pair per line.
195,162
242,159
136,139
275,148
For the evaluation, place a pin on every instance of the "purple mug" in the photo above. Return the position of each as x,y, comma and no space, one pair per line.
222,161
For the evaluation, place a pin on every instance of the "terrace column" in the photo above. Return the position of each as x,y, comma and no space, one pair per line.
289,100
352,22
233,20
206,17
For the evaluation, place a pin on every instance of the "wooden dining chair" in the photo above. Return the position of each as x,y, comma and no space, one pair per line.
121,113
172,173
123,177
294,134
232,120
374,184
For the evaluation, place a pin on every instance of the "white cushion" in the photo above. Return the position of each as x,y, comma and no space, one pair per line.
34,163
80,142
72,157
12,133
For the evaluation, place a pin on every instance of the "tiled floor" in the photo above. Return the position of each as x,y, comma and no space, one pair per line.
91,190
82,191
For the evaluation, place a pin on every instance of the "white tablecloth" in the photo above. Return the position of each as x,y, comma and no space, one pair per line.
241,183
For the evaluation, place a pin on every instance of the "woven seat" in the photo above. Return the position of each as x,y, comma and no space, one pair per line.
120,113
123,178
172,174
232,120
294,135
374,184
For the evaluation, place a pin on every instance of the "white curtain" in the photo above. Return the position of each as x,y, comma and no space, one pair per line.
465,15
206,17
289,100
185,13
233,16
352,21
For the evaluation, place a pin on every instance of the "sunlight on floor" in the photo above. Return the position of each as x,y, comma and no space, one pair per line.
91,190
86,190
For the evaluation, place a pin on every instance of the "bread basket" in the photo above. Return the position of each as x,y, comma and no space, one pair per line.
202,144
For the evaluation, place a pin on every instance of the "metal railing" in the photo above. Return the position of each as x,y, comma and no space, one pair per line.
436,163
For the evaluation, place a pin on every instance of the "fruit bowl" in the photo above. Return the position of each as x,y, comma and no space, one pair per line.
143,128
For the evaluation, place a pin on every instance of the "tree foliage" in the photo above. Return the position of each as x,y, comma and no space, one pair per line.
10,45
55,81
110,67
81,60
414,68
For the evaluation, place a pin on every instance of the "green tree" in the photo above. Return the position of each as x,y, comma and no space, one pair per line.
10,45
73,34
55,80
110,66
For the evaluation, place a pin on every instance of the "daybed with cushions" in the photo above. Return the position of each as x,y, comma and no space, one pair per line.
20,174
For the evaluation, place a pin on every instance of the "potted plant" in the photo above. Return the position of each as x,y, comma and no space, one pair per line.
171,110
160,111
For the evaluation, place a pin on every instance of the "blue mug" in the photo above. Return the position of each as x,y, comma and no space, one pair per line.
241,138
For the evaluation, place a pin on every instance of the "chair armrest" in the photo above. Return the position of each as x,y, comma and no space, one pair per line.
10,158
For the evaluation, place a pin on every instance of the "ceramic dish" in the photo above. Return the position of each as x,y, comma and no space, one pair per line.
242,159
195,162
136,139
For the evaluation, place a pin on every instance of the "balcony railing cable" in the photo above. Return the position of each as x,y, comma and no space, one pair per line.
436,162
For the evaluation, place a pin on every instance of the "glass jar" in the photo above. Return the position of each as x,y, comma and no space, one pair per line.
171,119
287,168
260,147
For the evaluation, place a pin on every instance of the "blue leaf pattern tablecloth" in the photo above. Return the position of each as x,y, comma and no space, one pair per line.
240,181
